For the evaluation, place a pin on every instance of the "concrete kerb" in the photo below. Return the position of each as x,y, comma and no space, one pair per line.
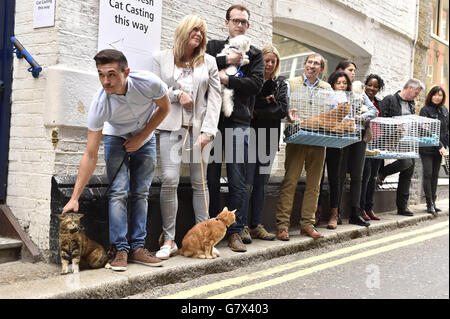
104,283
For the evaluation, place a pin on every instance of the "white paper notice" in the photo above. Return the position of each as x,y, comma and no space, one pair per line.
133,27
44,13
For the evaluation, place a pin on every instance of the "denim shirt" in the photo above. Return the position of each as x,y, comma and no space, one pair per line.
372,111
126,115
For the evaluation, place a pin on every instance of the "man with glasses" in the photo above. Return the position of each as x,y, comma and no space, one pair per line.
299,156
245,87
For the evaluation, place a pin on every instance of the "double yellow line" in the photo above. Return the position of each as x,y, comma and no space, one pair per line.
435,229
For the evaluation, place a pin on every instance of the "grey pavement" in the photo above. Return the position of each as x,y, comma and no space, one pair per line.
40,280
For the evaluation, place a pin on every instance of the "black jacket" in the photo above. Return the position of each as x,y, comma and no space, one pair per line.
246,87
277,109
440,113
390,106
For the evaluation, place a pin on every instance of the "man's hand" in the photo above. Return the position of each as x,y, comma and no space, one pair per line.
270,99
234,57
442,151
71,206
223,77
202,141
133,143
186,101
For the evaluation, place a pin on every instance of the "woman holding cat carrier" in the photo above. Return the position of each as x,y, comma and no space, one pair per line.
194,91
271,106
431,156
351,156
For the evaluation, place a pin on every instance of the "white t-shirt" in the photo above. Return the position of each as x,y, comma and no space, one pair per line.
126,115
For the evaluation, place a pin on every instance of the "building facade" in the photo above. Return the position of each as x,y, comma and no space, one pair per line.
47,127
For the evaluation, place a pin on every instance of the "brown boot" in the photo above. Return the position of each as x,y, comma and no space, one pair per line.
364,215
332,222
283,234
236,244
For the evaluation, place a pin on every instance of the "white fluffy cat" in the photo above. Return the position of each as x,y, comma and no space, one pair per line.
241,44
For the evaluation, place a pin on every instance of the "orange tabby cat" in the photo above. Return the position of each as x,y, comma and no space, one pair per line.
201,239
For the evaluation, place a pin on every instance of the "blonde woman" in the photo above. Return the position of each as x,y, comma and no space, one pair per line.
271,106
194,91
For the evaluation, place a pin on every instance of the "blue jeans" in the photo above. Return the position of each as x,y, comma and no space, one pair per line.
135,176
236,155
258,173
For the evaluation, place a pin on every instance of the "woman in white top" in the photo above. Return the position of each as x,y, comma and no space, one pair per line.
194,91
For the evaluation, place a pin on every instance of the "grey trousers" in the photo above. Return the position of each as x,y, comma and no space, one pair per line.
173,154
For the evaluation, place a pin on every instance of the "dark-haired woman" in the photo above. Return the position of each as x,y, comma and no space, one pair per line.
431,156
373,84
352,159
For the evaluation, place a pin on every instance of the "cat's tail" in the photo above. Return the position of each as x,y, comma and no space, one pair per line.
184,253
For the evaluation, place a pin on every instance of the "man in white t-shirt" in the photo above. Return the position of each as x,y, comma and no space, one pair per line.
126,111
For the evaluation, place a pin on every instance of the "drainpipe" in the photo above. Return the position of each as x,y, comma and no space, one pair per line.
413,53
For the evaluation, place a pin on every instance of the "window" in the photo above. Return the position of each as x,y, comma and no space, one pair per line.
439,19
437,55
293,55
293,66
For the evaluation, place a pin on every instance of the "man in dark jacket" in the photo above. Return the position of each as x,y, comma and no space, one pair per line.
401,103
245,87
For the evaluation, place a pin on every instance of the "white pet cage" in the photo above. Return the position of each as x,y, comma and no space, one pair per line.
393,138
323,117
428,129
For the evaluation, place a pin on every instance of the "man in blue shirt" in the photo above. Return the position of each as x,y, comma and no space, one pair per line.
126,110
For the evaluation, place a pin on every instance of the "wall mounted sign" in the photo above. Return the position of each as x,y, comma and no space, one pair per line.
133,27
44,13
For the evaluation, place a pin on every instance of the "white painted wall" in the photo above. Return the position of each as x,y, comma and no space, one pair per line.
59,98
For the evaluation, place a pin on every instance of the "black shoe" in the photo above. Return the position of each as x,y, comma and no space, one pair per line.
339,220
436,209
430,207
405,212
356,219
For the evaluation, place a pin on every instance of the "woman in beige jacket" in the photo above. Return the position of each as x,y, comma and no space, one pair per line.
194,91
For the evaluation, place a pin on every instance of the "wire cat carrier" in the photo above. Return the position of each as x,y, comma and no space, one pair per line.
393,138
428,129
323,117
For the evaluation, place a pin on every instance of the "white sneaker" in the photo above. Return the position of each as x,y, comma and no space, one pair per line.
216,252
166,251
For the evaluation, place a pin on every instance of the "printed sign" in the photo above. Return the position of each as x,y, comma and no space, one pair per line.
44,13
133,27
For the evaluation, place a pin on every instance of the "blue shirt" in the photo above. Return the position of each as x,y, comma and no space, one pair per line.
126,115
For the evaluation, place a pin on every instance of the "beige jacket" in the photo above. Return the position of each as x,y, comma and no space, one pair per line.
206,94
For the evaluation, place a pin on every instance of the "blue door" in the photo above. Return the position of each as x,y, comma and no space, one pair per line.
6,57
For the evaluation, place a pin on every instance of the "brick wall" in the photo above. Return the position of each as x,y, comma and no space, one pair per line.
72,42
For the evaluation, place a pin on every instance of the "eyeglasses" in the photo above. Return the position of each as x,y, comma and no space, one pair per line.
239,21
310,62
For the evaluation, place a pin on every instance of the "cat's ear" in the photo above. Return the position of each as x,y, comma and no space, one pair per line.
60,216
80,215
225,208
233,211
